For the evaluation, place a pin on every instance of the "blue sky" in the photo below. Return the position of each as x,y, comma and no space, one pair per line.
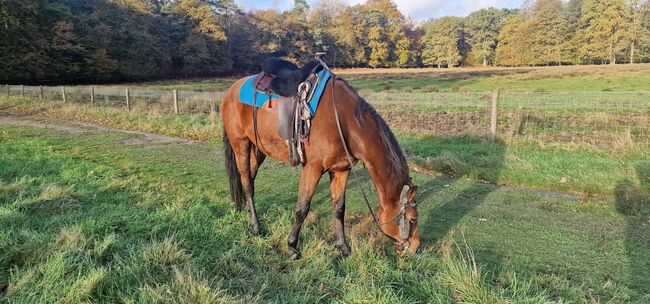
418,9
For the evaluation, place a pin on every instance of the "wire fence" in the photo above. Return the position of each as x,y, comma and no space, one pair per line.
132,99
601,119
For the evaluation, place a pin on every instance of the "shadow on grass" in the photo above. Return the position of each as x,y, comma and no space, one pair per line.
461,157
478,159
633,202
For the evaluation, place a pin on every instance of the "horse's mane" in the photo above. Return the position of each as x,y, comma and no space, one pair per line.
388,139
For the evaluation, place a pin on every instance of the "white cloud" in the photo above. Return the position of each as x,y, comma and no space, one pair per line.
423,9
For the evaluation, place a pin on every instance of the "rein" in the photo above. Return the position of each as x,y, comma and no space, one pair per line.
361,188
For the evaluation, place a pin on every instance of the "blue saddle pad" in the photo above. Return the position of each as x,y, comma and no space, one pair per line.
247,90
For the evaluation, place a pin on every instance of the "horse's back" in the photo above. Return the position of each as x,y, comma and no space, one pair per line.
232,94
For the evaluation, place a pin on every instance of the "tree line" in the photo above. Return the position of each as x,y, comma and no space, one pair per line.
78,41
543,32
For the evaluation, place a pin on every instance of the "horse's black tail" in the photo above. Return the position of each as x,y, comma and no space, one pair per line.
236,188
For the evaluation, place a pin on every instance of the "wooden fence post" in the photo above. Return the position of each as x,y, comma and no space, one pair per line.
42,94
175,102
7,88
128,103
213,109
92,95
63,93
494,116
22,90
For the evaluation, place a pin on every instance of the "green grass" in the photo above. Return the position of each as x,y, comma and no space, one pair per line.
554,167
546,79
217,84
87,218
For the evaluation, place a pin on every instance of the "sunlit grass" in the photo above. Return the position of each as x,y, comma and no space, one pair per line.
155,224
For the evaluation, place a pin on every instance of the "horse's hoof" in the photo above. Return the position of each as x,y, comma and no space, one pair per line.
256,230
345,251
293,254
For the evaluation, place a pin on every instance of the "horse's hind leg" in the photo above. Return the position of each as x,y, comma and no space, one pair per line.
338,182
242,150
309,178
256,162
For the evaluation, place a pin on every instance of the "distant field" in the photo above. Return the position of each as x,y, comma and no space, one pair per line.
552,79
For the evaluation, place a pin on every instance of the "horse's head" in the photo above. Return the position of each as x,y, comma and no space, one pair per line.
399,220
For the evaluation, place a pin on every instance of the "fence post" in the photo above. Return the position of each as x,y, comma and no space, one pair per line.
92,95
213,109
7,88
493,117
175,102
63,93
22,90
42,94
128,103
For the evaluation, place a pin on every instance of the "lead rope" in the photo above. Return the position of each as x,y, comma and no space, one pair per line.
349,157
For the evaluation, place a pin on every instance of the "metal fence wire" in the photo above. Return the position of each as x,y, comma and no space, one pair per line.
601,119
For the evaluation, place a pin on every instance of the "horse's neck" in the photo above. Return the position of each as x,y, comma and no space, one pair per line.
382,171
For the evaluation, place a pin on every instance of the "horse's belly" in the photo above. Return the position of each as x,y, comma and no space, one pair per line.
268,140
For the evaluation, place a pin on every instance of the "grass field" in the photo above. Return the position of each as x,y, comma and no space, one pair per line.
544,79
557,210
92,217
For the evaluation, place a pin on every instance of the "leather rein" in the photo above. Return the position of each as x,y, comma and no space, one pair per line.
401,214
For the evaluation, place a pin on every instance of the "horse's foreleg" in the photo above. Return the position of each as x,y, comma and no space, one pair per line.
338,182
242,155
308,181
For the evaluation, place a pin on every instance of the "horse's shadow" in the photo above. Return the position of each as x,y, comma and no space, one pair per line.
633,202
472,165
443,201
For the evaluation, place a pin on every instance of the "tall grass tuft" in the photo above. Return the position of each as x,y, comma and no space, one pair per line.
461,273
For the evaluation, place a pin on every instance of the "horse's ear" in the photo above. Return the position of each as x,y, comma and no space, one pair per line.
411,193
403,197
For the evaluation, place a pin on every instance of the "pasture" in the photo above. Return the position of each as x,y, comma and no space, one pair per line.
555,210
546,79
108,216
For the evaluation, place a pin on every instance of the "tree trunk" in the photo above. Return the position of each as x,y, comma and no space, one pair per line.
485,61
632,53
612,56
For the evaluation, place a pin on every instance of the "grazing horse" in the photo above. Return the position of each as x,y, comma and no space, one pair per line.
364,133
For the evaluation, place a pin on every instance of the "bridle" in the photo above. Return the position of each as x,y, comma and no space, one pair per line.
402,222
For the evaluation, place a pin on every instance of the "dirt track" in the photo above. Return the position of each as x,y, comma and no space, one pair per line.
80,128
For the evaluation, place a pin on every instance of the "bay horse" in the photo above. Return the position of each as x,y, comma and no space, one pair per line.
368,139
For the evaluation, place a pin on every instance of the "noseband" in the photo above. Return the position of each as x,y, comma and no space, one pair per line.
400,219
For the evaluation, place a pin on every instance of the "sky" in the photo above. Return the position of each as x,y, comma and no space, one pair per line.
417,9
